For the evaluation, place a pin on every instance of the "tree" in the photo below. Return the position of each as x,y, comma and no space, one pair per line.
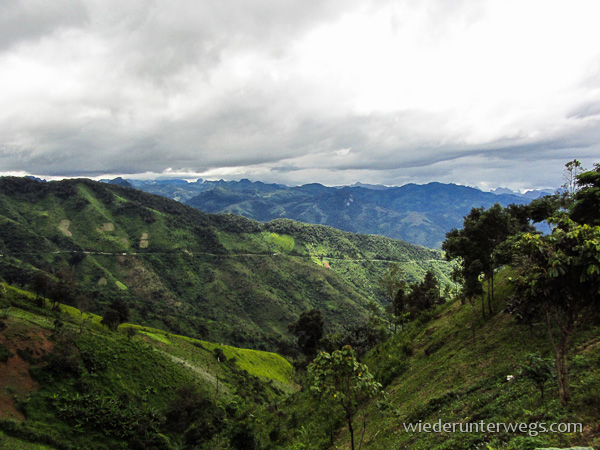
586,206
40,283
393,288
84,304
309,331
116,314
361,336
63,290
560,281
543,208
397,309
572,171
483,231
537,370
424,295
340,376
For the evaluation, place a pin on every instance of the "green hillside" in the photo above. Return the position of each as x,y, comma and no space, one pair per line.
436,371
67,384
223,278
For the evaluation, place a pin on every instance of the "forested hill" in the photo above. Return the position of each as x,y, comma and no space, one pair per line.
420,214
219,277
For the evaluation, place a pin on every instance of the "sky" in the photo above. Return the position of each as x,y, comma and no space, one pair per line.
485,93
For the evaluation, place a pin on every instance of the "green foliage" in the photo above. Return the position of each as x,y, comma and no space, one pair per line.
194,416
112,415
586,206
560,281
5,353
309,331
537,370
475,245
219,277
116,314
103,390
340,376
393,286
424,295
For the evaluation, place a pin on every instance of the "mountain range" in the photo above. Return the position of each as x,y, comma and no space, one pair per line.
419,214
220,277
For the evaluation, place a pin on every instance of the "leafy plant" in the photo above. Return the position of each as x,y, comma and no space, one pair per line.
537,370
340,376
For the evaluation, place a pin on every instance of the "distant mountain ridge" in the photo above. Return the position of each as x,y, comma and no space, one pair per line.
419,214
531,194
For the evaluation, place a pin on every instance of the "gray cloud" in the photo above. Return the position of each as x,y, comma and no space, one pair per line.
34,19
223,87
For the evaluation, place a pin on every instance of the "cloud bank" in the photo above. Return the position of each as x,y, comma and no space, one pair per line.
484,93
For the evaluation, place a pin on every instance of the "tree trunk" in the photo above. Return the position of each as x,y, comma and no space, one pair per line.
473,320
560,354
362,434
483,305
489,291
563,375
349,419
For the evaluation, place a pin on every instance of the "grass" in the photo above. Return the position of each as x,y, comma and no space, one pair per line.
11,443
265,365
140,373
435,371
452,378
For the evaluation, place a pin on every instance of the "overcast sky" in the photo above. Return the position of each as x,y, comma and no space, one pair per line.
479,92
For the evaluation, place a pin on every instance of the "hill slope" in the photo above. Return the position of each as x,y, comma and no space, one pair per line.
437,369
67,384
221,277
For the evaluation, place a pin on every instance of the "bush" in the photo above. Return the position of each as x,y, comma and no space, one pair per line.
4,353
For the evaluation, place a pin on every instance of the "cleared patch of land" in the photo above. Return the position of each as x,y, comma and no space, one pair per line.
63,226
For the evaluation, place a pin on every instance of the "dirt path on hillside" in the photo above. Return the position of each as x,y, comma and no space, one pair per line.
199,371
236,255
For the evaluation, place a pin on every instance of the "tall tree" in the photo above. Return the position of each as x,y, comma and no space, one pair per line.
63,290
309,331
586,207
424,295
116,314
393,287
483,231
560,281
572,171
40,283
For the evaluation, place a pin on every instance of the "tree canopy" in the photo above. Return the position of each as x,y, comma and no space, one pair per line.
340,376
309,331
560,282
